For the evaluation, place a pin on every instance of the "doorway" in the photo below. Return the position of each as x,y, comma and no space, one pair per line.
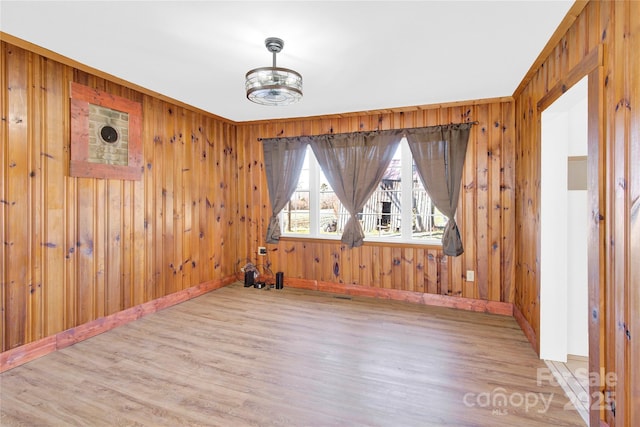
564,290
564,281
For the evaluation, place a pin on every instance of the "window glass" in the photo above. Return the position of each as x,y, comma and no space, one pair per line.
295,216
399,209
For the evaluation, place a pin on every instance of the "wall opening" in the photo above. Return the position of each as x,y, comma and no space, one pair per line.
564,291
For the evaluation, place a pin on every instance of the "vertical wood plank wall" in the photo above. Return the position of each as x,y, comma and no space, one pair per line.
615,25
76,249
485,213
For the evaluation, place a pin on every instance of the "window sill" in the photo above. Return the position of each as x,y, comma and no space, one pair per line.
329,240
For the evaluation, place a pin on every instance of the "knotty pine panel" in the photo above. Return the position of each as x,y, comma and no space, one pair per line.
77,249
613,27
485,210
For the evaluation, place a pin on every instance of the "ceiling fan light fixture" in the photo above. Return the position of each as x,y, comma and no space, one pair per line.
273,85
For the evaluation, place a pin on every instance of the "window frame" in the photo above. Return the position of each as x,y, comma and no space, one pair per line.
315,232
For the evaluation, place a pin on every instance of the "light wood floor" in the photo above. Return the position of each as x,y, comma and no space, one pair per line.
248,357
574,380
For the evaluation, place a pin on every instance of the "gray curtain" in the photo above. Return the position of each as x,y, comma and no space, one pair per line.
283,159
439,153
354,164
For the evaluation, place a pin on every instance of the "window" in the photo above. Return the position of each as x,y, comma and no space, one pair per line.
399,210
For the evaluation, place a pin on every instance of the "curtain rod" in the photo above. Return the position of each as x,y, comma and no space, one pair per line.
422,127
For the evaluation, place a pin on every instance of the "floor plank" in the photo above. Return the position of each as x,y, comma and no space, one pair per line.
248,357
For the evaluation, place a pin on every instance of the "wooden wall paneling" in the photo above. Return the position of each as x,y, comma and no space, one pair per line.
151,138
171,191
507,192
86,284
218,193
99,248
36,203
138,267
257,208
620,206
190,187
16,198
395,267
330,262
420,262
494,209
180,261
201,200
229,188
3,196
255,212
127,284
467,213
409,259
387,266
482,201
524,203
231,137
596,253
376,267
158,200
363,276
592,17
72,247
260,209
75,250
431,267
634,217
335,265
181,151
169,153
457,115
216,165
112,266
572,46
128,238
521,158
615,25
207,216
214,217
609,40
314,260
54,159
313,267
242,230
322,266
234,202
533,204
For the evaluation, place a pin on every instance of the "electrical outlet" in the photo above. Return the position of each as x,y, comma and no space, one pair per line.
262,250
471,276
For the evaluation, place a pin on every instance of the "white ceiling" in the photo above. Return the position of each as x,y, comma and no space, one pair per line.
353,55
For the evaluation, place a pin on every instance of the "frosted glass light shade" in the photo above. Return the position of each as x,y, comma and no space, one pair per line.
273,86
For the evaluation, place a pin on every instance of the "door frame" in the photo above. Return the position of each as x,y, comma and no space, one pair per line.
592,66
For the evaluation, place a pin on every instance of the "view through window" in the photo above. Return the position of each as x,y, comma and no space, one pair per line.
398,210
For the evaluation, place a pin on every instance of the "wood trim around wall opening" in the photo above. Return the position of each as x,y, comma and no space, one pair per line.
589,63
590,66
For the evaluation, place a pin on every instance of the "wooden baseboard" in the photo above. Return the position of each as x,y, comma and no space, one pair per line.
469,304
526,328
25,353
